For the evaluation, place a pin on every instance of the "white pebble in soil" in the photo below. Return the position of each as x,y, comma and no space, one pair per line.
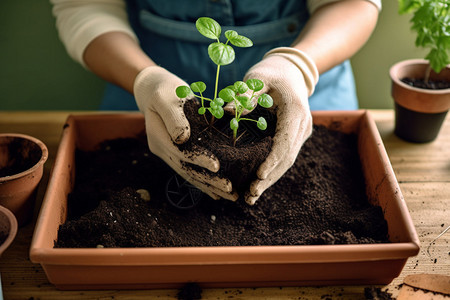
145,195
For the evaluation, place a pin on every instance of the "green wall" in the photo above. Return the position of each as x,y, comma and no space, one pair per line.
37,74
392,41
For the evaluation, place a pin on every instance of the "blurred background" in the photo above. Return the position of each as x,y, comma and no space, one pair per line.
37,74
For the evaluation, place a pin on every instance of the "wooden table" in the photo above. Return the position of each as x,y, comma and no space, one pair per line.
423,171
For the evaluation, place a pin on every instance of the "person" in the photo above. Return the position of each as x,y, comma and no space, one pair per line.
146,48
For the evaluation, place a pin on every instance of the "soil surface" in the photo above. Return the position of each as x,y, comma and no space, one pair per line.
320,200
3,237
21,154
430,84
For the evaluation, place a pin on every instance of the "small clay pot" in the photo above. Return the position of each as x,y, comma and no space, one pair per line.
8,228
22,159
419,113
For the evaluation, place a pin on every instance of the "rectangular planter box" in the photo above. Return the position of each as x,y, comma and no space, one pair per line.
248,266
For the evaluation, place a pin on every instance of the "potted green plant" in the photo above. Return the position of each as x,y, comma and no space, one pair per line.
421,87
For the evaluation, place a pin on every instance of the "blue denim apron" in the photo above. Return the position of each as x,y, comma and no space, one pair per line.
167,33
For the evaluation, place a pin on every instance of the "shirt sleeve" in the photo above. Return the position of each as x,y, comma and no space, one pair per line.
313,5
80,21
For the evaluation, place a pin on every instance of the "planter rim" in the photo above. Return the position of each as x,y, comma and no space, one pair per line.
416,61
41,162
224,254
13,225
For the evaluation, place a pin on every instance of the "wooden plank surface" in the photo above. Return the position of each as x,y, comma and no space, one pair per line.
423,171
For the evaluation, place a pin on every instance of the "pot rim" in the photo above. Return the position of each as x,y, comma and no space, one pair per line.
12,228
40,163
393,71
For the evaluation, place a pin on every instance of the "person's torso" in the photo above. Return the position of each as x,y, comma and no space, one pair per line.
167,33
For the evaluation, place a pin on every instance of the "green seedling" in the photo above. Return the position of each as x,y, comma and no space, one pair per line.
223,54
431,22
237,93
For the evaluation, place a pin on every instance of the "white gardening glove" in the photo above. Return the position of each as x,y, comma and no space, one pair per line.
166,124
289,76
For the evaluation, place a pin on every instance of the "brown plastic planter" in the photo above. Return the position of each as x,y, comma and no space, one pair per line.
249,266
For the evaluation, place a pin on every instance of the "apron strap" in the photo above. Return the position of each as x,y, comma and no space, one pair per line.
263,33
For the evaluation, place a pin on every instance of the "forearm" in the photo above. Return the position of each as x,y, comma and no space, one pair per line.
336,31
117,58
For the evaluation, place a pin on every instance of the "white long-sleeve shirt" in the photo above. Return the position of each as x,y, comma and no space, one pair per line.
80,21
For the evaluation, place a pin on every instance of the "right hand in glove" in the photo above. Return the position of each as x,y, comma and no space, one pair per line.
166,124
289,76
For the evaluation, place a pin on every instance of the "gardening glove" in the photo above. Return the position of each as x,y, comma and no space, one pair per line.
166,124
289,77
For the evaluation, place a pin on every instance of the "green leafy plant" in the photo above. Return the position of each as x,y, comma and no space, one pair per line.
237,94
223,54
431,22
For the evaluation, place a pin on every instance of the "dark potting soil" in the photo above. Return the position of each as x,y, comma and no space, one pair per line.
320,200
190,291
21,157
3,237
239,162
430,84
375,293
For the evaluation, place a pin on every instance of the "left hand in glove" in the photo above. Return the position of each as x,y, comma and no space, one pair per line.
289,77
166,124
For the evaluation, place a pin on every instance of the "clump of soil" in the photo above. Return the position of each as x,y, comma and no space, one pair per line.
239,162
430,84
320,200
375,293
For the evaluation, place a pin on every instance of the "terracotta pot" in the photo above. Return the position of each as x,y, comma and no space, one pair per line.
8,228
22,159
250,266
419,113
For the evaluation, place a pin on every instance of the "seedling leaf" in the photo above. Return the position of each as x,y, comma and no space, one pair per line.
201,110
240,87
198,87
216,111
265,101
238,40
262,123
231,87
230,34
255,84
218,102
242,41
227,94
183,91
208,27
221,54
244,100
